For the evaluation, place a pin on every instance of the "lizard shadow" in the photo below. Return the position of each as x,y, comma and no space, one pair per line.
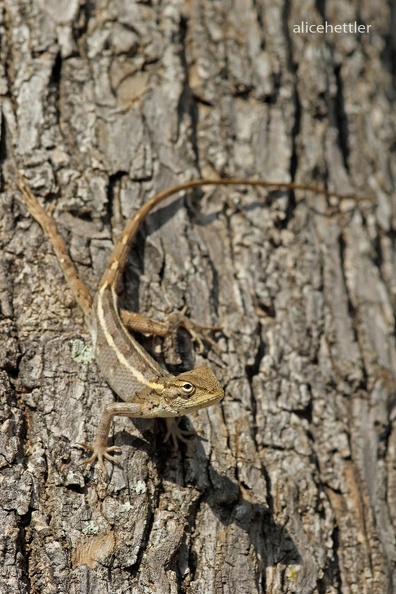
271,541
134,269
135,266
231,506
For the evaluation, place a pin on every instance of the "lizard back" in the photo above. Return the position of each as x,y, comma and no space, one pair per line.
125,364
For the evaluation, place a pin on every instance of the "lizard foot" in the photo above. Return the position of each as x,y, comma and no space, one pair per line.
100,453
135,322
176,434
198,333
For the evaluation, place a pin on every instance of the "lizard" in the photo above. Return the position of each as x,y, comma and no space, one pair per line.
147,390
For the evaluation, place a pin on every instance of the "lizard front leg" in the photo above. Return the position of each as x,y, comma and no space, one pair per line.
99,447
175,433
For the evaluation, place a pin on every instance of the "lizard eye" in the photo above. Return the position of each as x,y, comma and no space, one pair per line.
187,388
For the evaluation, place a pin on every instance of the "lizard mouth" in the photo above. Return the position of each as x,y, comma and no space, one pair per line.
204,401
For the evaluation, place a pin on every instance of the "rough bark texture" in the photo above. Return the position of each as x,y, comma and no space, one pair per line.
291,487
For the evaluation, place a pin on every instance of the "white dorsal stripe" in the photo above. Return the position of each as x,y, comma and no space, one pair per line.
121,358
151,364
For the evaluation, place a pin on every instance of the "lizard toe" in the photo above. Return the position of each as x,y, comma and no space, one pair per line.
100,454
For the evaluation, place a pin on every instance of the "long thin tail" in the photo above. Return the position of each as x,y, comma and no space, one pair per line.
79,289
115,266
121,249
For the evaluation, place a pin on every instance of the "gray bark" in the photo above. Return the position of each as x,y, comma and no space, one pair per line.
291,487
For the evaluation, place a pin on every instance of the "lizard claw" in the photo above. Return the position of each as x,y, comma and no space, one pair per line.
176,434
198,333
100,453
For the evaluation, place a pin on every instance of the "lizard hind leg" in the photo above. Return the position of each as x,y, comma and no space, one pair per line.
199,334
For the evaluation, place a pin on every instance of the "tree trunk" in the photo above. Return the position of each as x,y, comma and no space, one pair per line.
291,485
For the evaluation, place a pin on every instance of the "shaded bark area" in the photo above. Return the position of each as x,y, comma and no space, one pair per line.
291,486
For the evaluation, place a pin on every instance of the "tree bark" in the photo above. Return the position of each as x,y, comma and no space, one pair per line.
291,486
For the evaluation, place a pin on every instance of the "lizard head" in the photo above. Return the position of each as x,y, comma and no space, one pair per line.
193,390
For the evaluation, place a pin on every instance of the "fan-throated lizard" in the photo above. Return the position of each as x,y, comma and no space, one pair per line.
147,390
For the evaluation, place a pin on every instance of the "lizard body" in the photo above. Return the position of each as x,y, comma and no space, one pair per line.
147,390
